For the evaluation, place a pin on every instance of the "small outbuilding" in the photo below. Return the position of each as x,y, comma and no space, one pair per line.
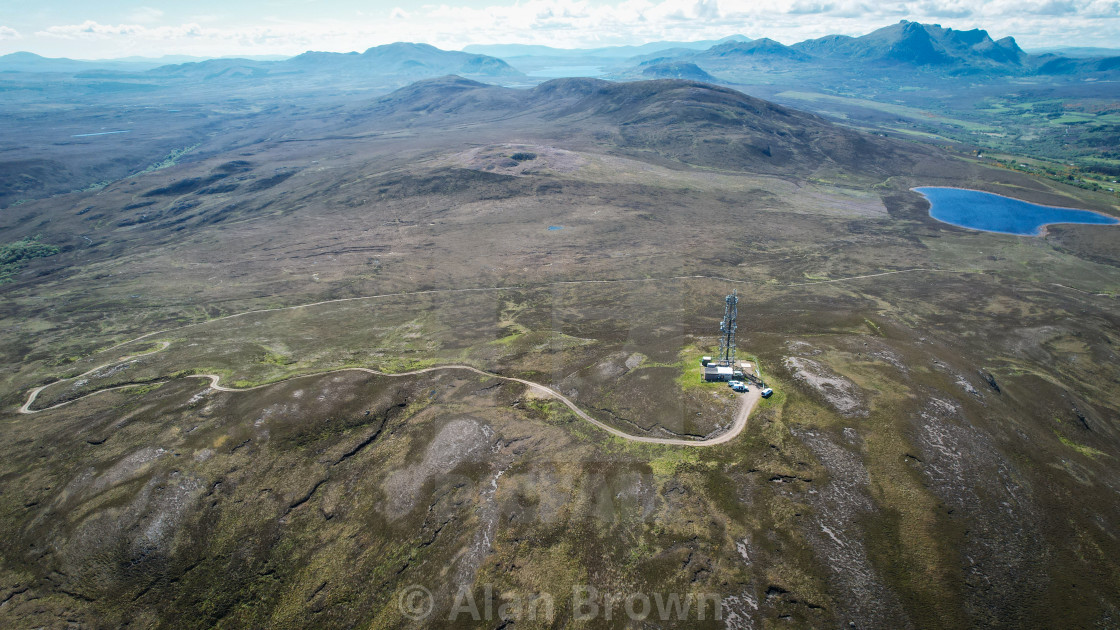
717,373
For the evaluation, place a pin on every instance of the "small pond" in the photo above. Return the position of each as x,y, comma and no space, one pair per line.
995,213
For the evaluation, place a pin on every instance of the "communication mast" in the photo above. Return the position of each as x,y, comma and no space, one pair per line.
727,329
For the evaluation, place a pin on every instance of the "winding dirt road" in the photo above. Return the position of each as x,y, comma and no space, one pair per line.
34,393
746,405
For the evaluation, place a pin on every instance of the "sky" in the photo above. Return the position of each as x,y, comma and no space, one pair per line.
93,30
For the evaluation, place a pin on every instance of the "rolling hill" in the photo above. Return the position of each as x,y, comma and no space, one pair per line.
329,356
661,69
689,121
759,49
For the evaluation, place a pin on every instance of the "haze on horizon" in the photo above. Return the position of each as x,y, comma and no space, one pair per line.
78,29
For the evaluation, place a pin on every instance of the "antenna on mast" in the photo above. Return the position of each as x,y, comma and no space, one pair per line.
727,329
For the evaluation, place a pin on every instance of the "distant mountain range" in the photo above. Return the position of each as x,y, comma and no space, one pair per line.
1078,51
902,47
615,52
30,62
398,59
906,45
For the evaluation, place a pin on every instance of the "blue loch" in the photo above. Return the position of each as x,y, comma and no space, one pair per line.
995,213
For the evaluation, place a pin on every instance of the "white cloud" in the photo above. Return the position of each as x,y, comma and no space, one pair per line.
810,8
92,30
942,8
1103,9
1056,7
145,15
7,32
89,28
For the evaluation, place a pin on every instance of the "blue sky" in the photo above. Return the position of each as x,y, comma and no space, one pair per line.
84,29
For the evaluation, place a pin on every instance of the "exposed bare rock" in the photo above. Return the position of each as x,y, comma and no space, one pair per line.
634,360
961,380
837,537
618,364
1003,554
141,534
802,348
481,544
891,357
839,392
739,611
966,386
460,440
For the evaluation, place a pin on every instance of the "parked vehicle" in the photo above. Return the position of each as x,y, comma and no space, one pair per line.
739,386
767,392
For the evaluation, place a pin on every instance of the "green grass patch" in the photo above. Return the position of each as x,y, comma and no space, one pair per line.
222,373
94,187
874,327
144,389
688,364
1087,451
666,464
891,108
1072,118
275,358
171,160
508,340
777,400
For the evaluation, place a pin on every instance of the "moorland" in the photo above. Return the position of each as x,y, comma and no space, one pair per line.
940,450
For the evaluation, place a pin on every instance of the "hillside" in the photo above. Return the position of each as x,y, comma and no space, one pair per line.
355,355
687,121
758,49
660,69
